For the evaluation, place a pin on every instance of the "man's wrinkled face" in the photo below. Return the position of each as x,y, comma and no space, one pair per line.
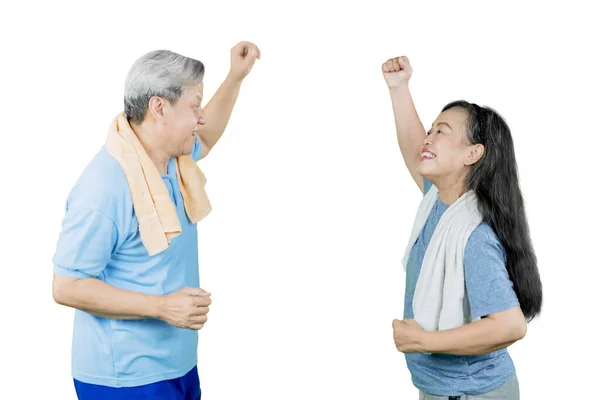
183,120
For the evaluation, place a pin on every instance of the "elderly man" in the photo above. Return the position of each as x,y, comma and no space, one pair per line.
138,311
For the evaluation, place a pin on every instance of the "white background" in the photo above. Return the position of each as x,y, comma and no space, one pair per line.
312,203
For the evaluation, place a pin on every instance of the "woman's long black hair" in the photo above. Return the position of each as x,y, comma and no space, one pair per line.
494,180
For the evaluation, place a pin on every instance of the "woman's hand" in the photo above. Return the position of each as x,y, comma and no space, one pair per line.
408,336
396,71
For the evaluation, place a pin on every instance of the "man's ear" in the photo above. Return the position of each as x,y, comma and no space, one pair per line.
156,107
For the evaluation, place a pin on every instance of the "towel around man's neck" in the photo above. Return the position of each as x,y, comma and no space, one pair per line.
439,301
154,209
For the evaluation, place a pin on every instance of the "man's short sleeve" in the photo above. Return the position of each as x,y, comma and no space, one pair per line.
197,151
489,287
85,244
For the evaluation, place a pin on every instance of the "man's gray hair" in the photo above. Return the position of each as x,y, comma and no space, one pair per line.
160,73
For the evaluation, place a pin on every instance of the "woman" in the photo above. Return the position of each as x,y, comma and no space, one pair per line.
472,282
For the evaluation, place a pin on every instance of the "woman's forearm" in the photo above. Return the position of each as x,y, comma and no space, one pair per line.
409,129
480,337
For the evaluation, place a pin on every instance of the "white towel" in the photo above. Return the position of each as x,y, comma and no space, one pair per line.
439,301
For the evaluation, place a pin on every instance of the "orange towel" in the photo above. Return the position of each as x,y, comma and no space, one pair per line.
154,209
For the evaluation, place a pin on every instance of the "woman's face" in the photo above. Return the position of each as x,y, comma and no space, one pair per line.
446,152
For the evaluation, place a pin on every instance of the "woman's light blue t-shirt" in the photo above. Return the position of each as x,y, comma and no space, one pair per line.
489,290
100,239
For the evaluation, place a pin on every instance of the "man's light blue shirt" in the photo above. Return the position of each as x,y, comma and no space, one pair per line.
100,239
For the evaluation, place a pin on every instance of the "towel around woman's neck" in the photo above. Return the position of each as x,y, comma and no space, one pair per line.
154,209
439,301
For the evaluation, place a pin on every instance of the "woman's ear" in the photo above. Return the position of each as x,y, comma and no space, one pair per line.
475,153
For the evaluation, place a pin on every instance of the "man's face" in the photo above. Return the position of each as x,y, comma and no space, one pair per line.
182,120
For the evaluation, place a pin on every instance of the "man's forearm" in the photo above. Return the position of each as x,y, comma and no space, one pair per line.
218,111
101,299
113,316
480,337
